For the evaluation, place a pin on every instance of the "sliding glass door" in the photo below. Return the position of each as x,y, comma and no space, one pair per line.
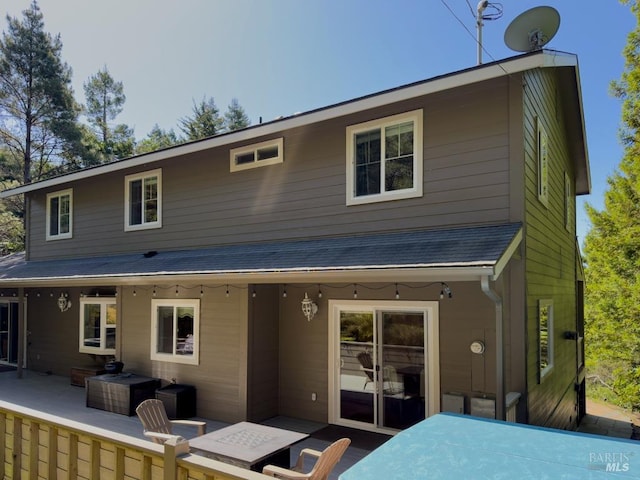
382,370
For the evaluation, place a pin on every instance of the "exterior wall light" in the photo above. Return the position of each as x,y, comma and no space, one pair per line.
309,308
63,303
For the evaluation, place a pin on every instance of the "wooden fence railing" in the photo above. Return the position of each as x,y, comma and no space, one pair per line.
36,445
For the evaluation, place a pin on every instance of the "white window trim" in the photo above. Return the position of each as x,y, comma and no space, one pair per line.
59,236
253,148
431,346
141,176
416,117
103,302
172,357
550,334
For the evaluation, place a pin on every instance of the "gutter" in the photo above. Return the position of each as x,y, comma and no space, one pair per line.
497,300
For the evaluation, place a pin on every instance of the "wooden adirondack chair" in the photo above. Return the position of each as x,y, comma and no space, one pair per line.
156,423
326,461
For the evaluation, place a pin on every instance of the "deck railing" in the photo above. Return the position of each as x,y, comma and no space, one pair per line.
36,445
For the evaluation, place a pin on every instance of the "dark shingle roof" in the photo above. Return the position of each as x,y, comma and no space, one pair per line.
481,246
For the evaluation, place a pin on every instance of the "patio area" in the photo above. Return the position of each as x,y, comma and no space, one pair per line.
55,395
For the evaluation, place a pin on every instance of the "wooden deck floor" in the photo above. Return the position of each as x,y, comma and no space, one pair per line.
55,395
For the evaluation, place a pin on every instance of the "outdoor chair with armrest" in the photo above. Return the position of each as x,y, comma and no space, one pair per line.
325,462
156,423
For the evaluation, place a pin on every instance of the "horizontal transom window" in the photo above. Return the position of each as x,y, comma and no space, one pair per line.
257,155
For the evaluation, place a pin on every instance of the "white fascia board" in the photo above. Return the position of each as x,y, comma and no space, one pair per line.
544,58
429,274
508,253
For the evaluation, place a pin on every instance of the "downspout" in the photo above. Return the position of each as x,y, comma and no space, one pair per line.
500,399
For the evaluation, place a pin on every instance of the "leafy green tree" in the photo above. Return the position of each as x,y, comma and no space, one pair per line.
205,121
157,139
104,102
235,117
612,253
38,115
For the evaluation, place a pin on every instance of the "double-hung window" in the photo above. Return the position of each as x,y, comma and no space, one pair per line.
98,323
175,330
59,215
143,200
384,159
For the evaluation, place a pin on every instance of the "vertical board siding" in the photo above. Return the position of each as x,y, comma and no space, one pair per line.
466,181
550,256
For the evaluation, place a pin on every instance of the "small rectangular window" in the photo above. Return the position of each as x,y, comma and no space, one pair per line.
384,159
543,164
175,331
143,200
59,215
545,337
568,203
98,323
257,155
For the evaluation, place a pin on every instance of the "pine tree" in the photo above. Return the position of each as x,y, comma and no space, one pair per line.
612,253
235,117
157,139
37,108
205,122
105,100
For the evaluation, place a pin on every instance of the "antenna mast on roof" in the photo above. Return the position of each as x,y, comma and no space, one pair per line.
480,16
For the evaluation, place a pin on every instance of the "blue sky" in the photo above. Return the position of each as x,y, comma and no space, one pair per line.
279,57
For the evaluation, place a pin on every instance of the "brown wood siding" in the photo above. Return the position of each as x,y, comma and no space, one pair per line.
468,316
263,372
466,181
220,377
550,256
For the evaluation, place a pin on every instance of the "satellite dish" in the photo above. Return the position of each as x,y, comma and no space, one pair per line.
533,29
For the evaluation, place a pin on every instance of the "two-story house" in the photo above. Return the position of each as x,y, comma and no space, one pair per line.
367,264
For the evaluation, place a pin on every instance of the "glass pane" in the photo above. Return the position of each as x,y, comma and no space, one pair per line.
111,314
367,161
151,199
54,209
403,369
399,174
111,338
151,211
267,153
245,158
357,385
399,140
91,320
184,340
13,332
4,331
135,202
164,341
65,213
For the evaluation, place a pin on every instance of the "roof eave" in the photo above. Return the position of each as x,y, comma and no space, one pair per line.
356,274
539,59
